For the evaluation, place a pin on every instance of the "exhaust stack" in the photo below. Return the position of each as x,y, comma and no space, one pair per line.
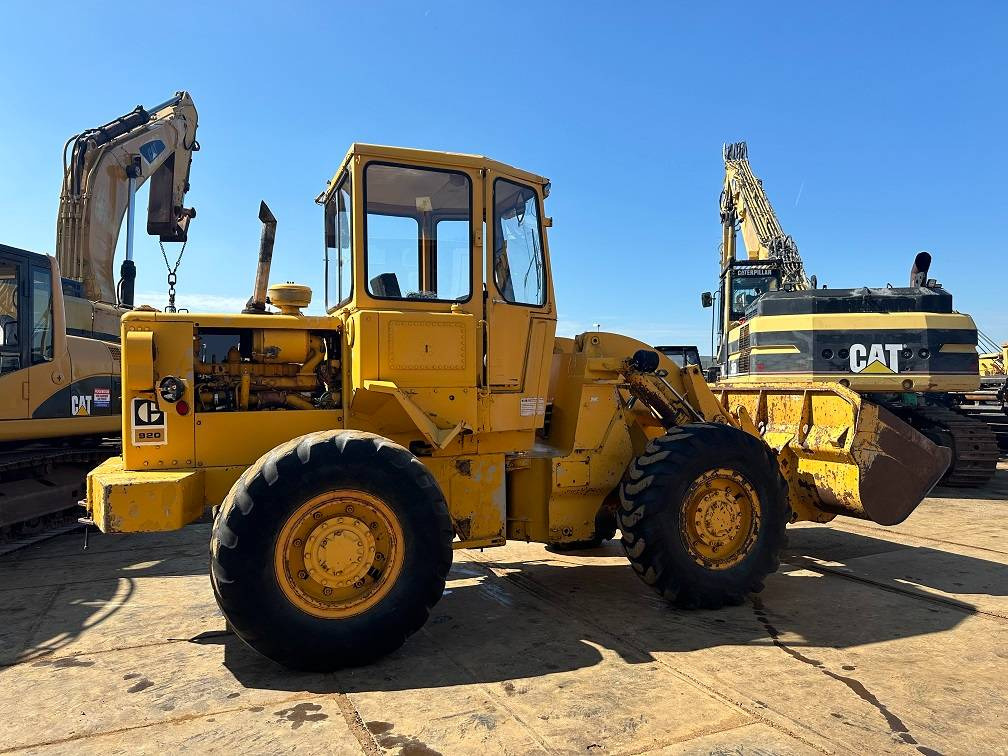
257,304
919,271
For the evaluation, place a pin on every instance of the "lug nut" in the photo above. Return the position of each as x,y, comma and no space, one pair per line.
302,574
327,591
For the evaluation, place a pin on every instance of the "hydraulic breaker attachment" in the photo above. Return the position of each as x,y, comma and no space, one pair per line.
840,453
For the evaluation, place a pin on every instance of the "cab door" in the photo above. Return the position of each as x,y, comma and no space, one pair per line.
520,311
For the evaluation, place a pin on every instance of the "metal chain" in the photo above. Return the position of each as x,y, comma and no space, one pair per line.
172,277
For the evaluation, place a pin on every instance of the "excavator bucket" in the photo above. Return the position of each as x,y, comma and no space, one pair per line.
841,454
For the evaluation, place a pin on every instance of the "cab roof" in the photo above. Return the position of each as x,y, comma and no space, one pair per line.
432,157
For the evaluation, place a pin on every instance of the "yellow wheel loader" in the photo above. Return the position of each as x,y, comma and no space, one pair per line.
434,409
905,348
59,354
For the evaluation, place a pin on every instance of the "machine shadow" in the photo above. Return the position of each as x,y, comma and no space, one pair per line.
900,566
53,591
996,488
527,619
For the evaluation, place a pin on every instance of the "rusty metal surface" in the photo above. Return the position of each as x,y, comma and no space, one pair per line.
905,468
840,453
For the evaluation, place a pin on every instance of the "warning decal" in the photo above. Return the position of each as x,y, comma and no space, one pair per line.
532,405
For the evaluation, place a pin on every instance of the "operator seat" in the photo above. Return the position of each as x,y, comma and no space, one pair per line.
386,285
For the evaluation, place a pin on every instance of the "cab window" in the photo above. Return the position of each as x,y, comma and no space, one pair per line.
10,344
747,289
519,265
418,233
339,249
451,238
42,316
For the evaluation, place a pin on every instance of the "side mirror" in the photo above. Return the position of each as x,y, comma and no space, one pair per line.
707,299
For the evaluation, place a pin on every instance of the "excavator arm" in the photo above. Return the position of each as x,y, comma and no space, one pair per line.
103,168
744,204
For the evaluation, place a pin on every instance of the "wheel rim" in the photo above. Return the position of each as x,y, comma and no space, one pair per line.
721,518
339,554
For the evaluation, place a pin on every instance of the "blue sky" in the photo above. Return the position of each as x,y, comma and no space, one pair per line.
876,127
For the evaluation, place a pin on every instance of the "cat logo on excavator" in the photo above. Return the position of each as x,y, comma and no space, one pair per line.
80,406
875,358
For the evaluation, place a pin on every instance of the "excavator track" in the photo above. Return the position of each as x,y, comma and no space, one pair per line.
974,444
39,483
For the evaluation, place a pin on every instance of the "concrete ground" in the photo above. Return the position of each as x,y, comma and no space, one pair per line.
868,640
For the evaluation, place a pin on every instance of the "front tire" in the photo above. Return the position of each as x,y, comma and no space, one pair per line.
331,550
702,515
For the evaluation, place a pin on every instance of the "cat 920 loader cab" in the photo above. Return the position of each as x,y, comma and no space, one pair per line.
433,408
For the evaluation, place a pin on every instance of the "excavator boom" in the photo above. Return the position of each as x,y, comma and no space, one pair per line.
103,168
744,203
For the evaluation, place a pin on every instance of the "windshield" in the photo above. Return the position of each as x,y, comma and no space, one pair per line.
683,356
747,289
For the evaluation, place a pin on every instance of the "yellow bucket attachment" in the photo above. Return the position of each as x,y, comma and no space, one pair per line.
839,453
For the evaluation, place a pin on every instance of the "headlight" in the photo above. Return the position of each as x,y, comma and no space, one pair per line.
171,389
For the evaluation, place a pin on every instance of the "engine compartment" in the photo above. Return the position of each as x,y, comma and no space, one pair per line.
241,369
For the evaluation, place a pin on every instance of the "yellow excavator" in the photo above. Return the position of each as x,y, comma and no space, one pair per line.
433,408
905,349
59,345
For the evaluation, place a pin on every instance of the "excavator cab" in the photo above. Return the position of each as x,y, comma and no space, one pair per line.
743,284
26,314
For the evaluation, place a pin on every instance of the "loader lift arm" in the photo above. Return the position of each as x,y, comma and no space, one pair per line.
103,167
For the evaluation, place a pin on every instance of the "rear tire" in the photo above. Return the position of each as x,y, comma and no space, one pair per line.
703,513
331,550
